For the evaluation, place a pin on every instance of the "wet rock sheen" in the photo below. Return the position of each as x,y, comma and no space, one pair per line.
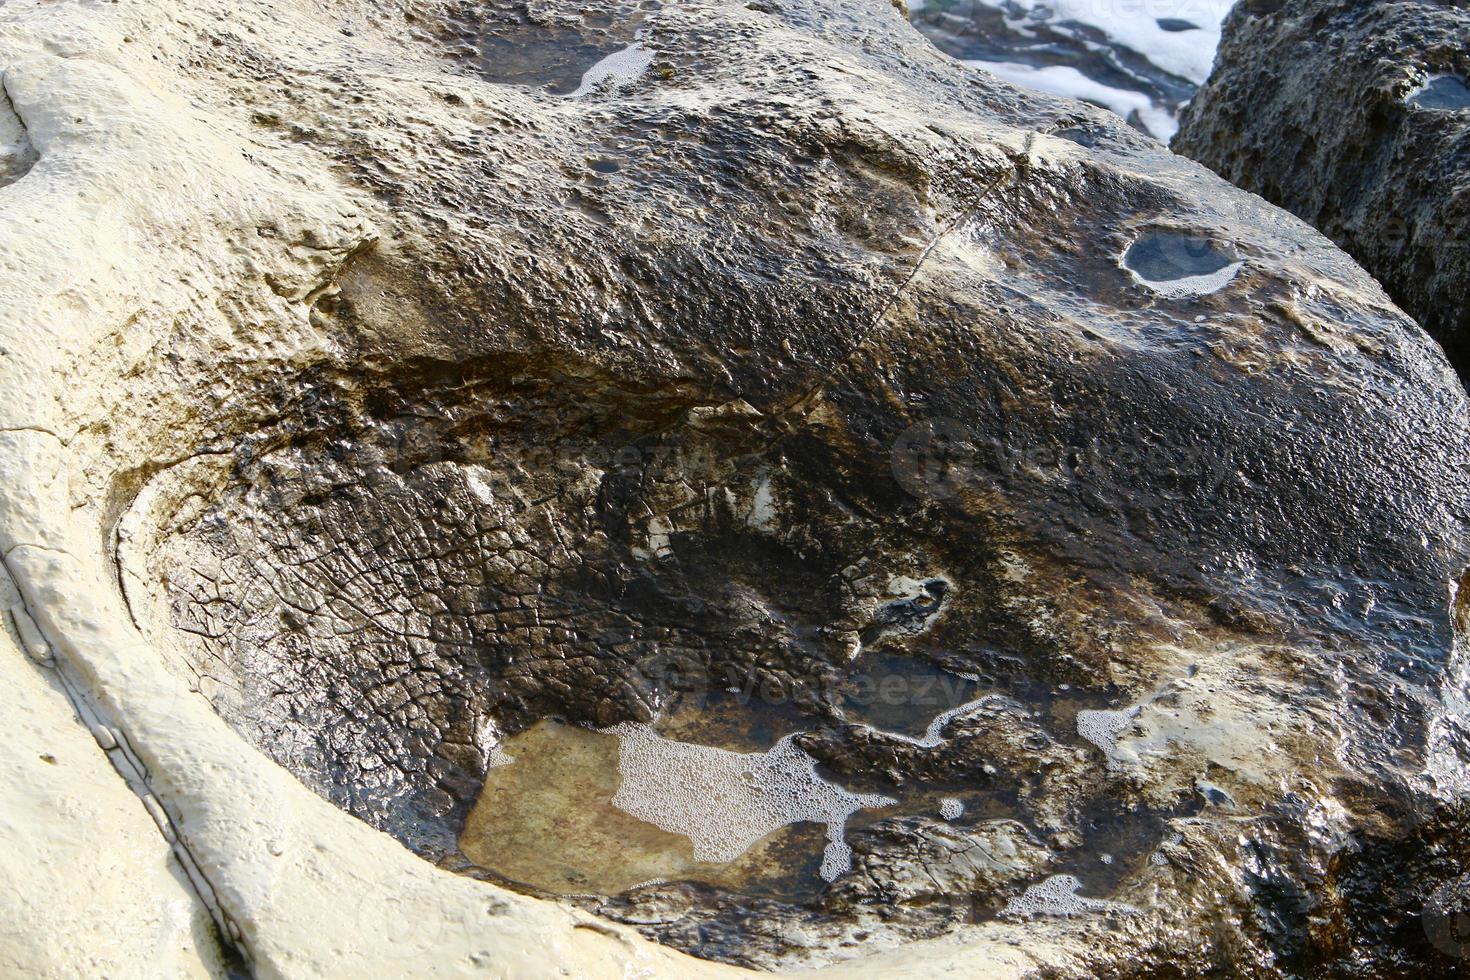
1354,115
1076,533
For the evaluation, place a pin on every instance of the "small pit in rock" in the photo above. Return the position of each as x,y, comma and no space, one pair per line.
1443,93
1175,263
559,54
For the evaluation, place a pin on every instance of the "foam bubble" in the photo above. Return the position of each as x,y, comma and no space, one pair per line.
1067,81
617,70
951,808
1102,729
725,801
1057,896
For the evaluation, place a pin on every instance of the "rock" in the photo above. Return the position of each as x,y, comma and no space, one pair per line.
1353,115
91,888
393,391
917,861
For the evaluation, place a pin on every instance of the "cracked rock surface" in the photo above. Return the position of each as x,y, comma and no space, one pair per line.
399,380
1353,115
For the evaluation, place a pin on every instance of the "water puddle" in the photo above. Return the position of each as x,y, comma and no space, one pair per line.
905,696
1177,264
1443,93
740,801
575,811
571,57
715,791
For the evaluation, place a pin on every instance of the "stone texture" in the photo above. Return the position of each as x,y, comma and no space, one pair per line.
371,396
91,888
1313,105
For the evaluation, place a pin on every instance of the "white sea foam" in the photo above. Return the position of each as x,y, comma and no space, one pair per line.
617,70
1057,896
725,801
1134,24
1102,729
1067,81
1178,37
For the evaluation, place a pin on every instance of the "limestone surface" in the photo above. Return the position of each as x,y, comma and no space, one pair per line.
383,380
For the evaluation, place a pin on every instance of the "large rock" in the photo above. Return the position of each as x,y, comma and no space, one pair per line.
382,380
1354,115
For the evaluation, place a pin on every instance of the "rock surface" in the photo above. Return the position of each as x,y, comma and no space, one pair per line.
91,888
1353,115
384,379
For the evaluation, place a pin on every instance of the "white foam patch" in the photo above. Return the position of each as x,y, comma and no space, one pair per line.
725,801
1102,729
1057,896
619,69
1191,285
951,808
1066,81
477,485
763,505
1134,24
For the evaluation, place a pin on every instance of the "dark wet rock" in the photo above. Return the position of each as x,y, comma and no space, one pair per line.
920,861
800,348
1353,114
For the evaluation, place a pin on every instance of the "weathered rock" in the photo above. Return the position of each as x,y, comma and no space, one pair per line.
460,395
1353,115
90,885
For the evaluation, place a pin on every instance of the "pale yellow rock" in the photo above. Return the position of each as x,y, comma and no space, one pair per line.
91,889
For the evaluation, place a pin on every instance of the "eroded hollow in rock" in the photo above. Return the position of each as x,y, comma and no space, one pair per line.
1176,262
555,51
1446,93
634,651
